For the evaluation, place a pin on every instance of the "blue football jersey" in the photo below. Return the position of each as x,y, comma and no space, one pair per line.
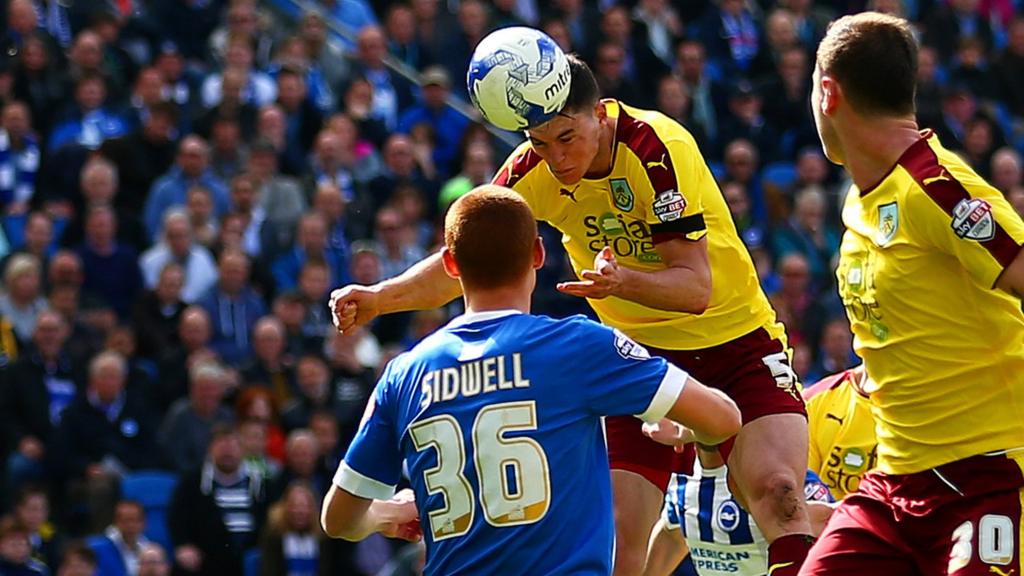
497,418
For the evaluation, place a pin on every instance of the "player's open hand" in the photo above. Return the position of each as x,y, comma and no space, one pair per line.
603,281
669,433
354,305
403,520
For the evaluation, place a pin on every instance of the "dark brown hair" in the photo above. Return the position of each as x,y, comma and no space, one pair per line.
873,56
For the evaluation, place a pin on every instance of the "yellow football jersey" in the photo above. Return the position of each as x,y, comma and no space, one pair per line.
659,188
842,432
944,350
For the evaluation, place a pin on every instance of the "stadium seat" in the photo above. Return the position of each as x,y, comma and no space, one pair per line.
153,489
251,563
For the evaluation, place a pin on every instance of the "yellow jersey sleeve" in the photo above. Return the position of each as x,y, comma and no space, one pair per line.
960,214
519,173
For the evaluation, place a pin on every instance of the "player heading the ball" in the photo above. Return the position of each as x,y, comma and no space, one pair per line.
498,418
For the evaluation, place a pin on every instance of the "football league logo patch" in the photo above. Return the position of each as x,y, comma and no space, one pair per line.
622,194
627,348
669,206
888,222
972,219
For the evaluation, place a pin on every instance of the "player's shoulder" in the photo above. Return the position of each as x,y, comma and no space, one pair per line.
828,385
522,162
649,133
939,175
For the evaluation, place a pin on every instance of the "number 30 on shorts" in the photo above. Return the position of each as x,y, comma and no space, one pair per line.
515,485
995,542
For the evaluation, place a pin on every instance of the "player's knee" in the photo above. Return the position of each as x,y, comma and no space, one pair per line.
779,494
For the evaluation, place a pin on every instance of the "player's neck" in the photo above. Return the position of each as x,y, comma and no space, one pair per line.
872,147
490,300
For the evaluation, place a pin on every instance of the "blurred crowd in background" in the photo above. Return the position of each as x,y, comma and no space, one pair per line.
182,183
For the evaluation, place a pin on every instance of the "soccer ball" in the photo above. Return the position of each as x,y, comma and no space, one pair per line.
518,78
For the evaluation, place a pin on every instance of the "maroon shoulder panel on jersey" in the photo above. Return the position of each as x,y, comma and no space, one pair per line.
948,193
519,167
641,138
830,382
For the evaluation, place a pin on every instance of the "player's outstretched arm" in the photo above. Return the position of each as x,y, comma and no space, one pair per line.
421,287
352,518
712,416
684,285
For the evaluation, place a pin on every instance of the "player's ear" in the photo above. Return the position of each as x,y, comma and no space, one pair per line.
448,261
538,253
830,92
600,111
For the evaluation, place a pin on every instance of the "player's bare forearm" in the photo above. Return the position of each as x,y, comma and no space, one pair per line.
423,286
352,518
677,289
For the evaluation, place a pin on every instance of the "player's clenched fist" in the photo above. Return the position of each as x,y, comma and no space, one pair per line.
354,305
603,281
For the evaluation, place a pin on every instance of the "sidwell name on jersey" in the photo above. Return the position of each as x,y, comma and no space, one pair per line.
471,378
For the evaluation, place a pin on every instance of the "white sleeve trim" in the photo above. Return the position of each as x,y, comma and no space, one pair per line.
671,387
362,486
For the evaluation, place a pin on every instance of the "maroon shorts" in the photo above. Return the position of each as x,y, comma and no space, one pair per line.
960,519
753,370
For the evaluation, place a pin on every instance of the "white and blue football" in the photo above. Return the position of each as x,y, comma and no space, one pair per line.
518,78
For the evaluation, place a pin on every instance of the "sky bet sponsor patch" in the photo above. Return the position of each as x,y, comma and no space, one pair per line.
669,206
972,219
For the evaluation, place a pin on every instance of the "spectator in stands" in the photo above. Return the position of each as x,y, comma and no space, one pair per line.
158,312
21,300
329,57
173,365
242,20
119,549
747,121
477,168
399,250
258,89
707,95
447,125
324,425
732,36
244,206
790,88
270,368
199,207
234,307
153,561
91,121
356,15
311,243
391,93
40,387
780,36
32,509
836,348
958,109
1006,169
103,434
16,552
971,68
217,511
290,308
351,358
735,195
36,80
100,186
254,437
257,403
610,73
184,434
191,168
1009,69
79,560
178,245
1016,198
331,205
280,197
302,463
229,151
929,96
808,234
951,23
232,105
302,117
292,541
399,168
19,157
358,105
143,155
182,82
332,163
795,302
810,20
315,393
147,92
403,42
37,241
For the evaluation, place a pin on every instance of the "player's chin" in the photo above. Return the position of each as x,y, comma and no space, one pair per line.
567,176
